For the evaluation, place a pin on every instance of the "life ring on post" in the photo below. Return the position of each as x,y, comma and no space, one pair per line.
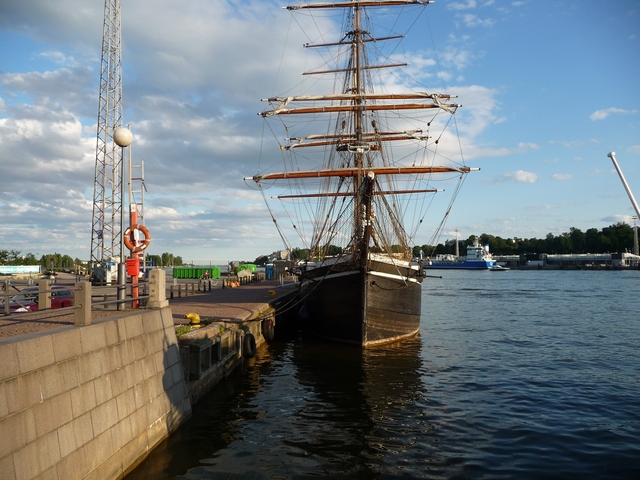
140,245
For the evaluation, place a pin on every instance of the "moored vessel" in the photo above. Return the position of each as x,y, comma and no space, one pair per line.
477,258
376,167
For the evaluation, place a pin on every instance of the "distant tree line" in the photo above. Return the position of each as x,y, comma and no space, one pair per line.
165,260
615,238
57,261
50,260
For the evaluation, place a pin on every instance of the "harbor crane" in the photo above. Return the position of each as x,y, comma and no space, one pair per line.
612,156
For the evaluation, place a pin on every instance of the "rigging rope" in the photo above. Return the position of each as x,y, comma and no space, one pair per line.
280,232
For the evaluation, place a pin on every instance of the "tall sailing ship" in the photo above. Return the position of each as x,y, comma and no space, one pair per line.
378,158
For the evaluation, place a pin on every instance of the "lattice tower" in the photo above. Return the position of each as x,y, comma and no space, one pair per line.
106,230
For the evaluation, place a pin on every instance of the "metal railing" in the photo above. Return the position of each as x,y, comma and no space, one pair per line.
83,299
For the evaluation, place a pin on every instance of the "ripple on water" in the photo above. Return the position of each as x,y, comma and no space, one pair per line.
523,375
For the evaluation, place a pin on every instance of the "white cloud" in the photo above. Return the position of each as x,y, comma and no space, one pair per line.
470,4
455,57
602,114
561,176
634,149
520,176
479,107
618,218
59,58
528,146
566,143
472,20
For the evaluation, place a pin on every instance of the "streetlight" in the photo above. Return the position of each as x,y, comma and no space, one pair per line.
123,138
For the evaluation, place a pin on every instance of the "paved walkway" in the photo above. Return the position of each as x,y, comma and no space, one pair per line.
234,304
230,304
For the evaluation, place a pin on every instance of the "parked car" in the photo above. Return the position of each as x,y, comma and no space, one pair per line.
19,307
60,296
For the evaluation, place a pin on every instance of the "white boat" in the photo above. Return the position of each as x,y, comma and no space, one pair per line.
499,268
477,258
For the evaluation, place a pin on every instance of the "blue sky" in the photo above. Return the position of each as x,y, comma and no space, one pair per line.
548,88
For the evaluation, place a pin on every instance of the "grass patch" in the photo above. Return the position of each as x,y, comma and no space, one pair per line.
182,329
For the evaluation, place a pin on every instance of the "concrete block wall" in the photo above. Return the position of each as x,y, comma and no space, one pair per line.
208,355
89,402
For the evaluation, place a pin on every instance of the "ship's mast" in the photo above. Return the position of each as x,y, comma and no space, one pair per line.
362,190
357,146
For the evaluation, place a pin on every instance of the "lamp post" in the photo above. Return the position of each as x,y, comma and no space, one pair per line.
123,138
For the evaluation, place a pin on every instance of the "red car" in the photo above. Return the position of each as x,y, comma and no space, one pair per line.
60,297
19,307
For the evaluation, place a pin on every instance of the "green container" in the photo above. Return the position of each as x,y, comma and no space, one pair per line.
248,266
195,272
178,272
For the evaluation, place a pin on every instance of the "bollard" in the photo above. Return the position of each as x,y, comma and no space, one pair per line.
82,313
171,292
44,297
179,290
157,289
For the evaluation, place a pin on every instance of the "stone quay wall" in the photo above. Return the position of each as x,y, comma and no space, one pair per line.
90,401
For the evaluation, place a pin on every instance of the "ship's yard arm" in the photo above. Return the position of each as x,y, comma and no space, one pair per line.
359,4
351,172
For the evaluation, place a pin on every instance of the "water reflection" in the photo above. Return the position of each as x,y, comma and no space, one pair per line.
301,408
354,417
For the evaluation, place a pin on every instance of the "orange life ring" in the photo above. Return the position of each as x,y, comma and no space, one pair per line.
136,245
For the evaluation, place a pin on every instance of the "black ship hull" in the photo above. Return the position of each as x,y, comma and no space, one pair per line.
363,307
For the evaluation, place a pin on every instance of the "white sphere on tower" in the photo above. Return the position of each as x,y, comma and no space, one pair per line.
123,137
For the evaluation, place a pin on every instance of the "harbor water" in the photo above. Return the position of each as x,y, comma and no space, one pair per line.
518,374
